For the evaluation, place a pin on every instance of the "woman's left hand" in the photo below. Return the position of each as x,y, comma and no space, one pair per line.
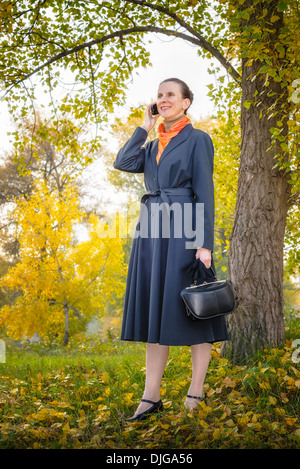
205,256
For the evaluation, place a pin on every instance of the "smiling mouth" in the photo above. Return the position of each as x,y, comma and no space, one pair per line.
165,108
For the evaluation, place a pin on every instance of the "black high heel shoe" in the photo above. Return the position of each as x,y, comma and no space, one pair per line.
198,398
156,407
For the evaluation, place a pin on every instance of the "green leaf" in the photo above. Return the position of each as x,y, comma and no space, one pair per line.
245,15
282,6
248,103
263,69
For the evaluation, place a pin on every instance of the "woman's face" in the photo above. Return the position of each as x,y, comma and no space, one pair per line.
170,103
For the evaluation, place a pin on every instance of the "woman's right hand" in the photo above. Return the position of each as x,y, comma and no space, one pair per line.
149,120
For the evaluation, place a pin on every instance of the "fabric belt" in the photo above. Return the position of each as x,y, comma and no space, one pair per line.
163,193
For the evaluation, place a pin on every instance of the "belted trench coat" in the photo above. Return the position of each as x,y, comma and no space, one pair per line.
176,218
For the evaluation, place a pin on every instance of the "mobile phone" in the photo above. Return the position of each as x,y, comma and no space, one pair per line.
154,109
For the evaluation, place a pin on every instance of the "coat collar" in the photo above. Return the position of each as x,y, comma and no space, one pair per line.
179,138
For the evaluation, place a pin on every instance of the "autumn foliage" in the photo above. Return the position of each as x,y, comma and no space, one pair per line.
59,283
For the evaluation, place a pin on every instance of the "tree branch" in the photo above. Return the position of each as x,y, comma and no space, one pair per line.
124,32
202,42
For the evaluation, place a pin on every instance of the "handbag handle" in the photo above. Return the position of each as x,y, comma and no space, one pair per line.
196,272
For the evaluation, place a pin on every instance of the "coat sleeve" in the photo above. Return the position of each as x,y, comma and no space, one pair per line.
203,186
131,156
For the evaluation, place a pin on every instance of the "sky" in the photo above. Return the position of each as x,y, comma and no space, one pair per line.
173,58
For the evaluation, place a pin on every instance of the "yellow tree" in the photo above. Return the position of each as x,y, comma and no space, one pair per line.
60,280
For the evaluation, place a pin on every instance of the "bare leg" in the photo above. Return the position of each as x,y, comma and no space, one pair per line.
156,359
200,360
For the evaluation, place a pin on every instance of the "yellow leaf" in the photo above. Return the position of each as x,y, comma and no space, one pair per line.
164,426
289,380
217,434
263,370
66,428
183,383
280,411
272,400
203,424
102,407
243,420
128,397
264,385
290,421
297,372
230,423
64,405
205,407
274,18
201,414
82,423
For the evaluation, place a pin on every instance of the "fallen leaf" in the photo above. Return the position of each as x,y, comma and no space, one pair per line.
297,432
272,400
229,382
290,421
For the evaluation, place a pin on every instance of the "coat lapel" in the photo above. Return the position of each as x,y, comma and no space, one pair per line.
183,135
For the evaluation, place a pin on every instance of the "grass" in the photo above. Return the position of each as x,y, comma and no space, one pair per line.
75,397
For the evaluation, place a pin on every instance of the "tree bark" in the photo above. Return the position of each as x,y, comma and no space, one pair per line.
66,335
255,263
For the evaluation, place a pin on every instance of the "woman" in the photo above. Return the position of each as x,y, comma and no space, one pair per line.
178,173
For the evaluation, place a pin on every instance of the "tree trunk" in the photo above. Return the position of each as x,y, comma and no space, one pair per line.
66,335
255,263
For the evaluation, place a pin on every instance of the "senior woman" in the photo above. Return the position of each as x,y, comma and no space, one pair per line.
178,172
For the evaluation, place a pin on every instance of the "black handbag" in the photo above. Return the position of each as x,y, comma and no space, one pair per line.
209,300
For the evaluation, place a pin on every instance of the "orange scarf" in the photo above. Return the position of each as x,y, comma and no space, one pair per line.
165,137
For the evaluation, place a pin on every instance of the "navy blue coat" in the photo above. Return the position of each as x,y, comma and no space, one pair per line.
163,247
